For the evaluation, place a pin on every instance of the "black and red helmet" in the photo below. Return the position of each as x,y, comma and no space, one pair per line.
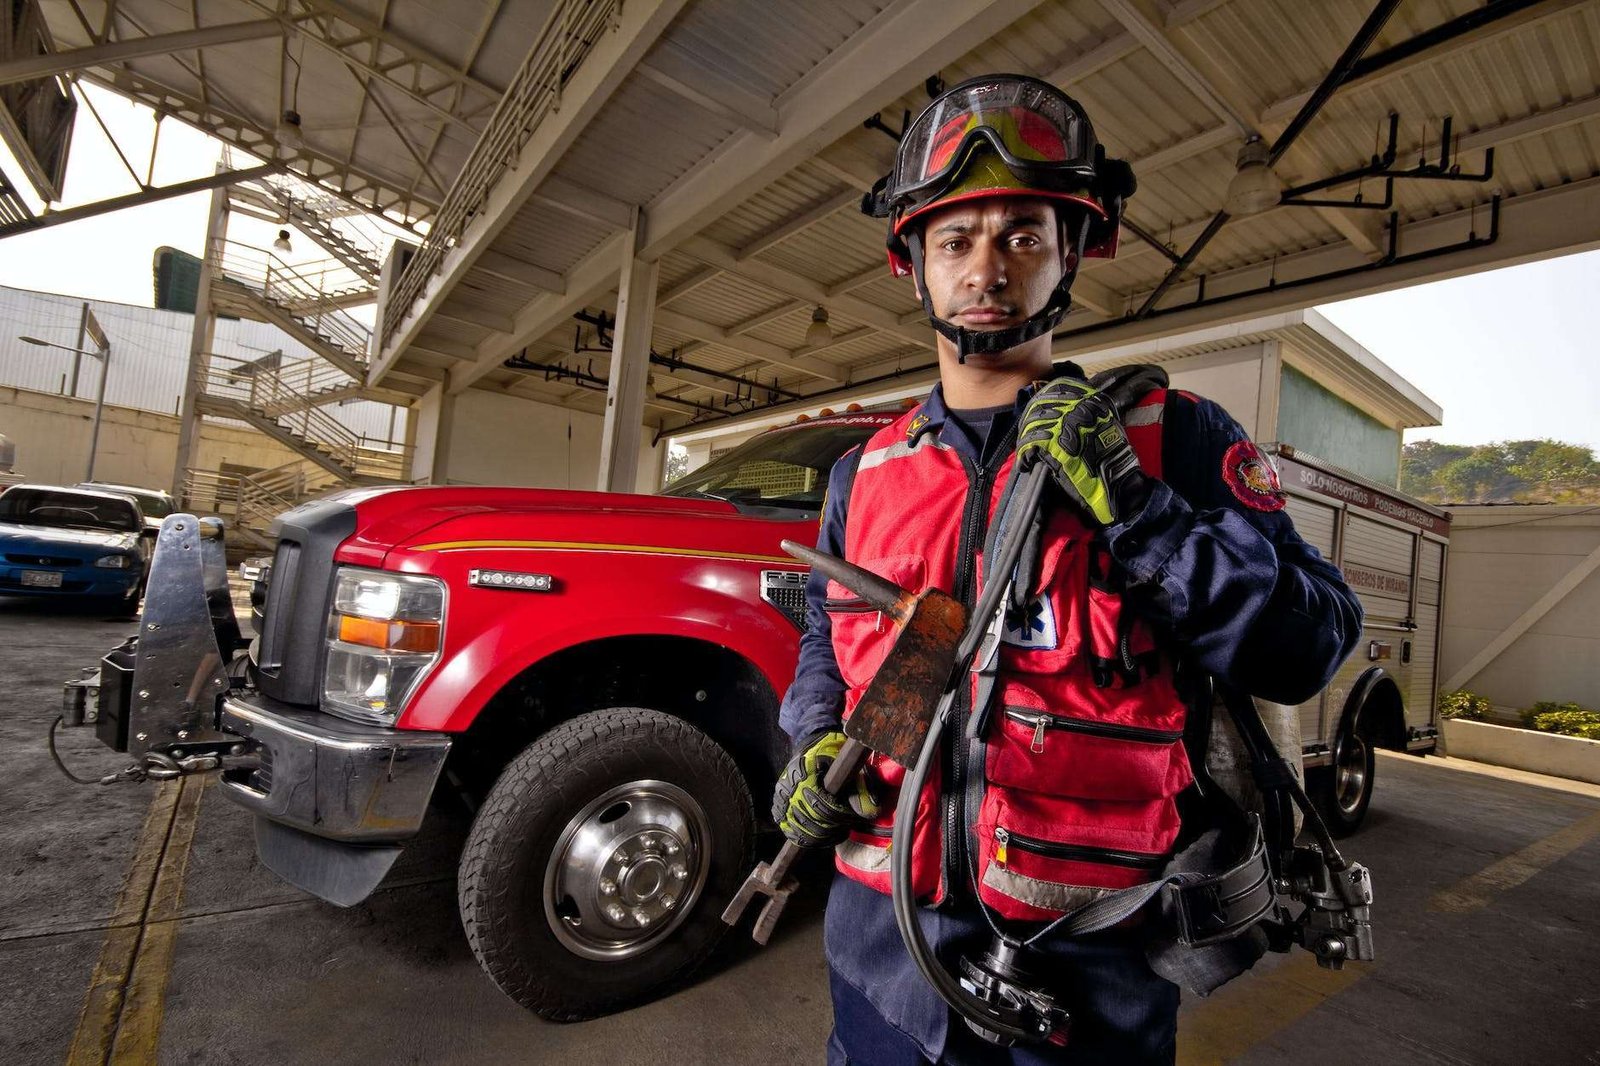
1002,135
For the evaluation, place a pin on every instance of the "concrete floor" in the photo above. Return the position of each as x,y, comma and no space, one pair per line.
1486,923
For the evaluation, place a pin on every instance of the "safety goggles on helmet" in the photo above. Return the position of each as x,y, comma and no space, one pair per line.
1039,133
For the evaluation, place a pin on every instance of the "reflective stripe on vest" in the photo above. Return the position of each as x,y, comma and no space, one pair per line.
1080,773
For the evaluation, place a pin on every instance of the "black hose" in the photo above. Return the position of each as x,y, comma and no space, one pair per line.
1029,490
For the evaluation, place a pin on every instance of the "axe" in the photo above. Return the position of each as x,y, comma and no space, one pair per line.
892,717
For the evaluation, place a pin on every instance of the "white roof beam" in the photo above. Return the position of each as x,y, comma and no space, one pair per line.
575,199
1092,60
1185,11
894,51
481,319
610,61
757,321
1153,38
16,70
523,273
801,221
692,80
1281,111
763,350
689,284
781,280
855,281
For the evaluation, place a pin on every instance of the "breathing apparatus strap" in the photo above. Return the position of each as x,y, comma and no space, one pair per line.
992,342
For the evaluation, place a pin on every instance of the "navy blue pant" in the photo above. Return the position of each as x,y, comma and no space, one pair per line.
1123,1015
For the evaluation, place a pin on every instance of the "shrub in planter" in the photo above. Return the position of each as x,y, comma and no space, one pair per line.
1574,722
1463,704
1545,707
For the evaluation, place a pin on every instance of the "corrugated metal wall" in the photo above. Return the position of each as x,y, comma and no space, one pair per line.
149,354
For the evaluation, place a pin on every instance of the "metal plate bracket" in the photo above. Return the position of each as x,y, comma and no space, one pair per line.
178,670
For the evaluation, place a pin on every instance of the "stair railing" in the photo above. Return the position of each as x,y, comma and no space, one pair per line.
310,293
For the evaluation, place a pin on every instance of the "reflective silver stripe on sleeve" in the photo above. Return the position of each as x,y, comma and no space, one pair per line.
1145,416
1046,895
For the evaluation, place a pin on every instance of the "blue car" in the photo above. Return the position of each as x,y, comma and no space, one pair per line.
84,544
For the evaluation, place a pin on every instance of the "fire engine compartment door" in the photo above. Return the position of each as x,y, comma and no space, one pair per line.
178,671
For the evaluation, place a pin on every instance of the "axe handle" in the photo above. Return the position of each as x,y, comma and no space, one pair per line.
838,778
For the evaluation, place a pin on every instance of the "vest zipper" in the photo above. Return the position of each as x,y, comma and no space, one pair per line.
1043,722
1005,839
965,769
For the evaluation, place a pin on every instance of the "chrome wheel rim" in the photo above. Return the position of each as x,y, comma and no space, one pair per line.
1350,773
626,870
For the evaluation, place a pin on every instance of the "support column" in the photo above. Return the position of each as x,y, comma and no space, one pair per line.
205,324
1269,389
622,434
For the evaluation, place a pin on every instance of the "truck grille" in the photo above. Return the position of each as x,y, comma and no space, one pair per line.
786,590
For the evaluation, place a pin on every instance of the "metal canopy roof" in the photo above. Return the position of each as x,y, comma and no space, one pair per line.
734,129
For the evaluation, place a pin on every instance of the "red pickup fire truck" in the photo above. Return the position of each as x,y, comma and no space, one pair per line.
598,674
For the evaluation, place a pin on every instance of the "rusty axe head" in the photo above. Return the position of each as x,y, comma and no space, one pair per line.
895,711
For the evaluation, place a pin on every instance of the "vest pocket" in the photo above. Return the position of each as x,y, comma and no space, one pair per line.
1061,755
1047,633
1040,857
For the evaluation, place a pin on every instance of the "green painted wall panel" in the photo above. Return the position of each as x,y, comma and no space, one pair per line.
1314,419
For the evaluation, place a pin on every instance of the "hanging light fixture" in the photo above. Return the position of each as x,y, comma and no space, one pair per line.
282,243
288,133
1254,187
818,333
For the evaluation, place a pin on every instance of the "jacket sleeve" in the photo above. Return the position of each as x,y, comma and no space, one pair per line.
1254,604
814,703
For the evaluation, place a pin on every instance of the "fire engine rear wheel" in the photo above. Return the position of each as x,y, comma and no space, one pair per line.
597,869
1343,790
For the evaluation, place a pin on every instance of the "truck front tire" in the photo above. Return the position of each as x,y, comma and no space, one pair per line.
597,869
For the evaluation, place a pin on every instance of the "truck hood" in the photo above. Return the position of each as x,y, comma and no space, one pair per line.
399,517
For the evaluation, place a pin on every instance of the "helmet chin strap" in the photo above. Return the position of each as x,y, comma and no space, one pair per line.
994,341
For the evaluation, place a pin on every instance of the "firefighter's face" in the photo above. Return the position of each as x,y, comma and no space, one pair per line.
991,263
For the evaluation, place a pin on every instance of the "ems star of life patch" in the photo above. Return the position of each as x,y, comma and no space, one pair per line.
1033,628
1251,477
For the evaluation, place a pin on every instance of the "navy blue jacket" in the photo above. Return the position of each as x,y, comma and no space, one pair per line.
1254,605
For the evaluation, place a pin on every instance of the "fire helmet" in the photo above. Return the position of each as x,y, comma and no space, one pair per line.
1002,135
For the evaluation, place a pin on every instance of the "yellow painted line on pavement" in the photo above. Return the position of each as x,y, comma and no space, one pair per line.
1247,1010
1476,891
128,987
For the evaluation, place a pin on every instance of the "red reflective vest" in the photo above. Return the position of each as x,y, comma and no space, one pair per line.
1076,783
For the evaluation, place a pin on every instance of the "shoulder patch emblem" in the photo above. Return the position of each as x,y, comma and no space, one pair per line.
916,425
1251,477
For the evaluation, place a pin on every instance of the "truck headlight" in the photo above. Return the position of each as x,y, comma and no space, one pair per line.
385,632
114,562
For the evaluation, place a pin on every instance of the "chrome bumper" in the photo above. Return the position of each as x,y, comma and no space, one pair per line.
331,778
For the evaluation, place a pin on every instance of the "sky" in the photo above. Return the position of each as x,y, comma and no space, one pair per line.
1509,354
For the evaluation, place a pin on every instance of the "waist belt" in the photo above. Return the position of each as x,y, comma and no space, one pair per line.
1201,897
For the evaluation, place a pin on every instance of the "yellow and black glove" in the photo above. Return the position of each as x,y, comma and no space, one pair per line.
1072,428
805,812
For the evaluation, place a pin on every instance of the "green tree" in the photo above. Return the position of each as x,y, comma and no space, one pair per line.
1520,471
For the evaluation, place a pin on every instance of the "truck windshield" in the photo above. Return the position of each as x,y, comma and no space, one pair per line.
785,467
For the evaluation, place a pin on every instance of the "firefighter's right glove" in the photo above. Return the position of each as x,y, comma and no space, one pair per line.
1072,429
804,810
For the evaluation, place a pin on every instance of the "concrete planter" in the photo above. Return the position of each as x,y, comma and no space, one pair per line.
1523,749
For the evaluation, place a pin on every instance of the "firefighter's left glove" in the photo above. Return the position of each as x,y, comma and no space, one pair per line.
1073,430
805,812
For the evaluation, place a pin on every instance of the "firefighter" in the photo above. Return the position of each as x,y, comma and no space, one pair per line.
1179,549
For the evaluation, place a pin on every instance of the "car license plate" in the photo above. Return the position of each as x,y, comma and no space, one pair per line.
42,579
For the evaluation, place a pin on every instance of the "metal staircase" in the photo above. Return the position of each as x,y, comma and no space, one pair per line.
285,403
323,218
251,501
307,302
